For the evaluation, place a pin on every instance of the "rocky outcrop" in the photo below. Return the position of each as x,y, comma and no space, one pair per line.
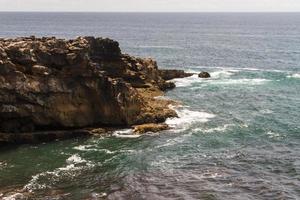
204,75
52,84
169,74
145,128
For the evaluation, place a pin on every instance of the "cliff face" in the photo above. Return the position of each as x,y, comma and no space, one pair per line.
49,83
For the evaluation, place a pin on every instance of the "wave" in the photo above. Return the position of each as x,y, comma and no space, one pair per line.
243,81
187,117
219,78
273,135
85,148
75,159
75,166
222,74
95,149
217,129
266,111
159,47
186,82
125,133
297,75
237,69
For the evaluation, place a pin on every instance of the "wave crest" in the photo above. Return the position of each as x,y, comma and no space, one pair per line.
297,75
187,117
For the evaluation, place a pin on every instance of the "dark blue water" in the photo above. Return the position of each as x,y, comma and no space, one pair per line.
238,135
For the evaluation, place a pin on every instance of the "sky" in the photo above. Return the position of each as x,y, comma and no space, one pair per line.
152,5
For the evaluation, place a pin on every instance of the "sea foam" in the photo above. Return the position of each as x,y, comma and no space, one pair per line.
125,133
75,165
243,81
297,75
187,117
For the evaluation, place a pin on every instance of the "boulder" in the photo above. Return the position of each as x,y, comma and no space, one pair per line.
204,75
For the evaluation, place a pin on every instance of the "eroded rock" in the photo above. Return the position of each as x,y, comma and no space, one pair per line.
55,84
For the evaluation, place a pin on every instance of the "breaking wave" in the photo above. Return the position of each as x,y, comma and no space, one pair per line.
75,166
297,75
187,117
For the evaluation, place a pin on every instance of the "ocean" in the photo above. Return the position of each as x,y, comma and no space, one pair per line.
237,136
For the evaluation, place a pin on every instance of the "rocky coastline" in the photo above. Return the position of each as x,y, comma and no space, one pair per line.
54,88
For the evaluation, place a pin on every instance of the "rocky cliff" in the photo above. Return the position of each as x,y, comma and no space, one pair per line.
50,84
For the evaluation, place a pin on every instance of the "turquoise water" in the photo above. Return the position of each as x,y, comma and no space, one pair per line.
238,135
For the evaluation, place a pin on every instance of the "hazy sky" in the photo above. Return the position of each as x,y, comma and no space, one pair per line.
150,5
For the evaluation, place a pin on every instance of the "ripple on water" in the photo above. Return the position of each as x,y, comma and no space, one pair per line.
224,176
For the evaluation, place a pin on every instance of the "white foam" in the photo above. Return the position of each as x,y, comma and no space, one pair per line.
297,75
85,148
217,129
236,69
74,159
221,77
273,135
244,81
159,47
266,111
188,81
125,133
75,165
187,117
211,175
222,74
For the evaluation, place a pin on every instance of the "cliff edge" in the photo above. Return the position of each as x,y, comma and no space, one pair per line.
53,84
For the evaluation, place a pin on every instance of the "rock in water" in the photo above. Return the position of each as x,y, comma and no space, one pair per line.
140,129
204,75
169,74
51,84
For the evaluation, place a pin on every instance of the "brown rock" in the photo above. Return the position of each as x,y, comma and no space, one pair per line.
98,131
140,129
53,84
40,70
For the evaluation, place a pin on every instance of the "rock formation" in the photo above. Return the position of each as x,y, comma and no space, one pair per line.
204,75
55,84
169,74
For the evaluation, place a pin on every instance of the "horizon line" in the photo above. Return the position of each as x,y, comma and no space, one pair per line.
35,11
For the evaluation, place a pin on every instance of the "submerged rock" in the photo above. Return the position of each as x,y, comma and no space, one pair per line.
204,75
53,84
